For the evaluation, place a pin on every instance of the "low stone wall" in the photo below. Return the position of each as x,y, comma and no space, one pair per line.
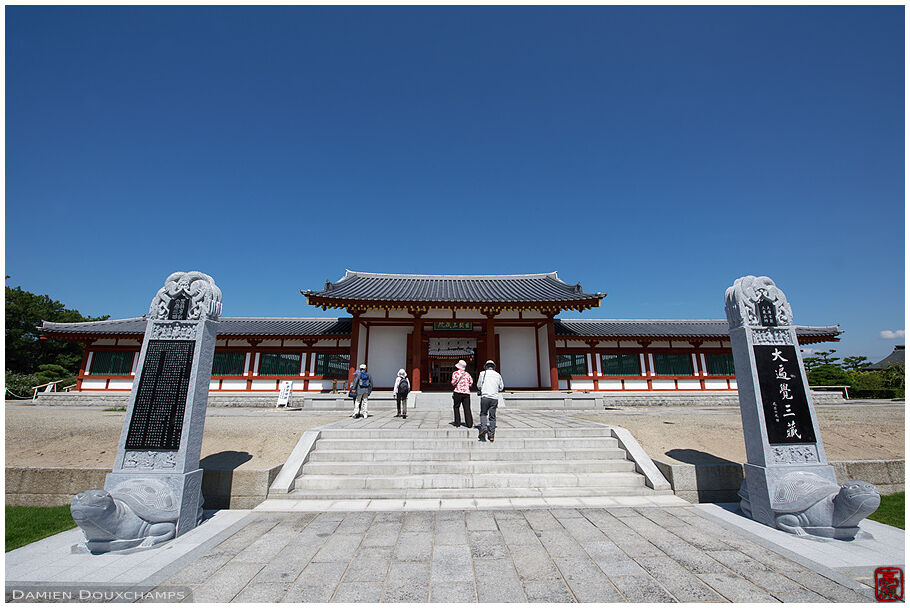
383,400
46,487
720,482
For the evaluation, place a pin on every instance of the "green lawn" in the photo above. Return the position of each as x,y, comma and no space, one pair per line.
891,511
25,525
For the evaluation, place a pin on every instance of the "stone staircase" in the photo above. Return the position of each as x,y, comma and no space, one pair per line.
534,455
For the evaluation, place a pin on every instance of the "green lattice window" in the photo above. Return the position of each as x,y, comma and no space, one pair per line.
569,365
228,364
620,364
720,364
673,364
279,364
111,363
333,365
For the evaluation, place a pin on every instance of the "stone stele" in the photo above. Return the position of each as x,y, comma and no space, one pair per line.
154,492
788,482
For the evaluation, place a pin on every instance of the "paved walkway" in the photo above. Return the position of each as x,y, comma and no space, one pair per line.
647,554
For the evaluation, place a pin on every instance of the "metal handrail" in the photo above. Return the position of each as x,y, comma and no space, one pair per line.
839,387
53,384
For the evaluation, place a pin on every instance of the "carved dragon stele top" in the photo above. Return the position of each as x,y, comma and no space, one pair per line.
743,297
199,288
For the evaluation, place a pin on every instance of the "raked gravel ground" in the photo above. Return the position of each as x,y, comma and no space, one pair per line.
45,436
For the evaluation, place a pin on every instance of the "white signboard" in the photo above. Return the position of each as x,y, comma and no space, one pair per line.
284,393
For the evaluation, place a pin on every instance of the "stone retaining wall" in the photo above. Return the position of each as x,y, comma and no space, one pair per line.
720,482
46,487
382,400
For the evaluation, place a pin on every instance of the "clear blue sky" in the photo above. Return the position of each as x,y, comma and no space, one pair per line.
655,153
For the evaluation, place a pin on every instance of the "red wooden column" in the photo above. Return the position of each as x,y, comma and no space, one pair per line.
82,365
490,331
551,347
416,347
355,332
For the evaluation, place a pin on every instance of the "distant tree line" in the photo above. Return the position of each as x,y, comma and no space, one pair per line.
824,369
31,361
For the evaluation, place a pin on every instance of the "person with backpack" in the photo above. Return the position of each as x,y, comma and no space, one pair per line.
361,386
400,390
489,385
461,394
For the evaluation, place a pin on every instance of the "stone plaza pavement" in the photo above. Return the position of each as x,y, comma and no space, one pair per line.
621,554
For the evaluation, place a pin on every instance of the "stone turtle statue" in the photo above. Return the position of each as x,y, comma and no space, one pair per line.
138,512
807,504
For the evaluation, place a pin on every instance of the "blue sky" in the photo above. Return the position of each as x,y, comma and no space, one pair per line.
655,153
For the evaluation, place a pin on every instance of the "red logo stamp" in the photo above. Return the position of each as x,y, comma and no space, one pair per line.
889,584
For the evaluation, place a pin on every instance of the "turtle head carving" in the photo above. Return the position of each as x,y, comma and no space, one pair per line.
92,505
856,500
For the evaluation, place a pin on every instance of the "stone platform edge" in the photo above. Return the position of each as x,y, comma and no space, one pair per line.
52,486
720,482
545,400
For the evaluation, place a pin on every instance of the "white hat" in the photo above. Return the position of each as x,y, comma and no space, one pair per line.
363,366
490,363
402,373
461,364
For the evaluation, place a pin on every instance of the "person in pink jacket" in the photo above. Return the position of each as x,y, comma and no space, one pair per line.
461,394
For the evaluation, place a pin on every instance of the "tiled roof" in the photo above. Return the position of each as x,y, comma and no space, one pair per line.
565,328
896,356
230,326
666,328
511,288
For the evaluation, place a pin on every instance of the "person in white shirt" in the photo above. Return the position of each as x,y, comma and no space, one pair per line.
489,385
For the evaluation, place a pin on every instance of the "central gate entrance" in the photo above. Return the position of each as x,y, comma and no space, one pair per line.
442,355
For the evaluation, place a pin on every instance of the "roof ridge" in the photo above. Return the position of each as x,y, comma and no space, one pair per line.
382,275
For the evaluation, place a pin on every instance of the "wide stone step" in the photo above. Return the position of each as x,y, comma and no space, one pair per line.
467,467
406,442
486,452
481,480
550,492
452,432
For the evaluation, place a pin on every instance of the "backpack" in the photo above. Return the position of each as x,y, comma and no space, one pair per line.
365,381
404,387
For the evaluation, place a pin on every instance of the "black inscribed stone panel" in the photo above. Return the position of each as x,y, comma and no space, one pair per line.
767,313
783,395
178,308
161,398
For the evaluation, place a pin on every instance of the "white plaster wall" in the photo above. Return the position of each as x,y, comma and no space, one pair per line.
361,344
564,384
663,385
715,384
233,385
518,354
120,384
400,314
265,385
544,361
582,385
464,313
611,385
298,386
636,385
732,383
439,313
92,384
213,385
294,343
689,384
533,314
315,385
388,350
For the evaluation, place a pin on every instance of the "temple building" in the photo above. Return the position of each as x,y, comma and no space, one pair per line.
425,324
